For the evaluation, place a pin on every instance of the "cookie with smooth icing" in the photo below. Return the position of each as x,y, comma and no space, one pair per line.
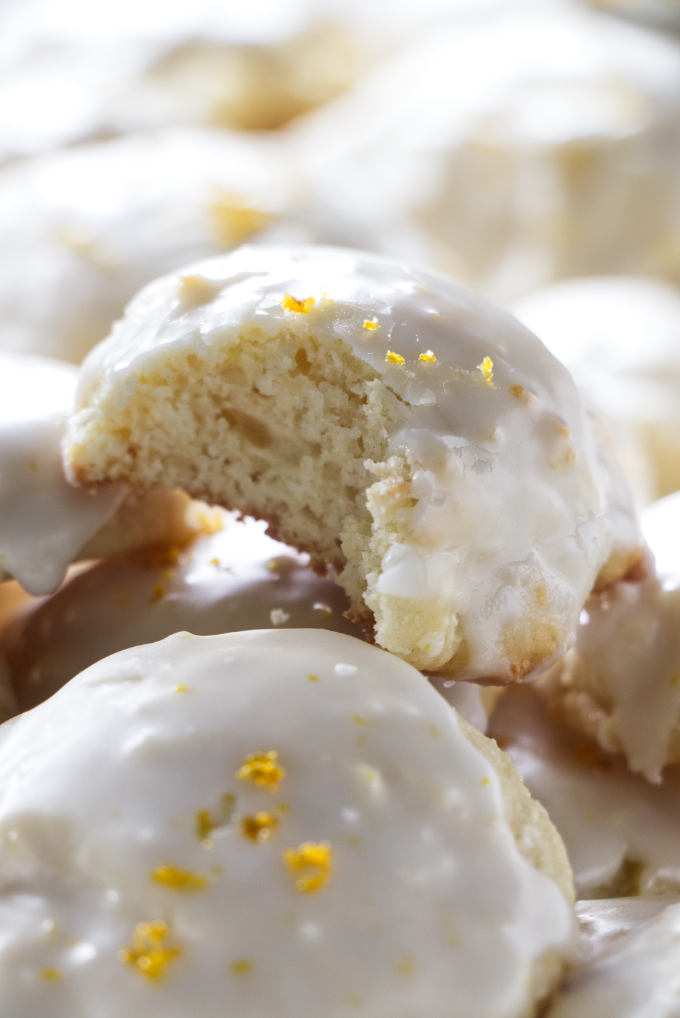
622,833
46,523
235,578
634,973
70,72
620,682
386,420
286,821
510,151
620,338
87,227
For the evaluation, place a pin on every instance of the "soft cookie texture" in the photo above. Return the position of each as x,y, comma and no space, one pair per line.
510,150
284,821
85,228
383,418
620,338
620,682
46,523
622,834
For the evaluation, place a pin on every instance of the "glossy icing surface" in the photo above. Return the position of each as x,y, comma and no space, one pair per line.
44,521
620,338
612,822
307,786
87,227
234,579
555,119
621,680
492,425
635,975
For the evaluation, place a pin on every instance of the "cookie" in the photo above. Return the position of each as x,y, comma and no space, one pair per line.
385,420
286,820
622,833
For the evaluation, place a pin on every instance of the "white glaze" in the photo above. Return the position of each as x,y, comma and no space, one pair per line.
84,229
620,338
426,884
44,522
637,974
70,72
605,814
237,578
511,498
661,527
509,150
621,680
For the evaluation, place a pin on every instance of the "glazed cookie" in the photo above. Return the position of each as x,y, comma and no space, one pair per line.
235,578
86,228
384,419
283,821
634,972
510,150
45,523
72,72
620,338
621,680
622,834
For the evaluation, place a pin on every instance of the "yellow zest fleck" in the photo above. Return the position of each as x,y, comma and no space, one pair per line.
359,719
283,807
486,781
428,357
313,678
355,1000
234,219
301,307
486,368
371,324
206,821
313,862
260,827
177,879
208,522
241,966
519,392
434,731
158,593
263,769
51,975
148,953
181,688
394,358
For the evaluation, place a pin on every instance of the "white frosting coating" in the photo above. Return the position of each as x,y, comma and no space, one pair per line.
620,338
84,229
661,527
621,680
418,882
609,818
70,73
44,521
510,499
636,976
509,150
237,578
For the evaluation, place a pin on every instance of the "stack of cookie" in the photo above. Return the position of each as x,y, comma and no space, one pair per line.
311,520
